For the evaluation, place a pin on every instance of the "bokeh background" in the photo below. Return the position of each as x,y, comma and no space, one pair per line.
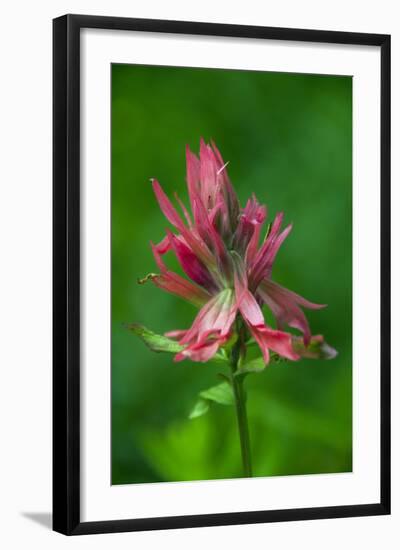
288,138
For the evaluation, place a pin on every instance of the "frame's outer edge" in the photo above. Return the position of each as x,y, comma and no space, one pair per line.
60,475
385,277
66,274
235,518
226,30
66,311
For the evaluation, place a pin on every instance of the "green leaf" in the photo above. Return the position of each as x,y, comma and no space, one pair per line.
222,394
156,342
201,407
258,365
255,365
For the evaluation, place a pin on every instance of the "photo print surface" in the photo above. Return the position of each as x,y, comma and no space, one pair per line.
231,274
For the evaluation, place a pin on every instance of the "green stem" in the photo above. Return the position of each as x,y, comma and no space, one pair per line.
241,413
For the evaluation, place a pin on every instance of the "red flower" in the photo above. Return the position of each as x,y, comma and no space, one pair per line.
229,273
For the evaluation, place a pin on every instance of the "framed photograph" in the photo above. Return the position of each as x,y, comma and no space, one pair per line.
221,274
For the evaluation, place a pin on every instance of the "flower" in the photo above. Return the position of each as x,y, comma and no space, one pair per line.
228,270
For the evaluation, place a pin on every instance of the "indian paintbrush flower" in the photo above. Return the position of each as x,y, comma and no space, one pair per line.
228,268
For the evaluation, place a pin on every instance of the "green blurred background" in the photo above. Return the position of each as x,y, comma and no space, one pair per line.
288,138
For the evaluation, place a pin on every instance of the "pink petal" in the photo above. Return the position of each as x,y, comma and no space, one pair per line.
289,294
266,337
192,173
184,210
252,217
204,348
289,314
191,265
203,320
250,309
175,334
280,342
195,243
284,304
158,250
175,284
276,225
245,300
166,206
210,329
208,174
265,257
216,209
229,195
217,314
239,278
211,237
199,352
274,247
163,246
255,238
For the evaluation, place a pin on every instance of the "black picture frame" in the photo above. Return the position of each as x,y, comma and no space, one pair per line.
66,273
